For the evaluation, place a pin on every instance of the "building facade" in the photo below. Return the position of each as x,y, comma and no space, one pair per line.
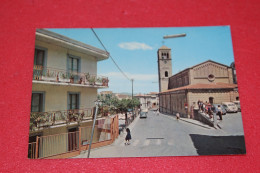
148,101
208,81
64,86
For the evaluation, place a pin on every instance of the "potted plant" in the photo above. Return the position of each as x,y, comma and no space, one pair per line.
92,81
104,81
99,81
87,78
63,77
72,78
50,76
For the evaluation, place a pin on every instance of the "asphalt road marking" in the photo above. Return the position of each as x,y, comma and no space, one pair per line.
158,142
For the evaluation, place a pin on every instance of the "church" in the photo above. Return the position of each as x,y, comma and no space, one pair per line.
208,81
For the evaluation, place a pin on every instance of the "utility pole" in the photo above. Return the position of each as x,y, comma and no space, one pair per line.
132,80
93,127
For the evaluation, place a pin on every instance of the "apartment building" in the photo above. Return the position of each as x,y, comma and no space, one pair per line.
64,88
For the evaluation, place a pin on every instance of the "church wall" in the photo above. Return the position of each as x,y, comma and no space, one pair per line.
179,80
218,95
173,103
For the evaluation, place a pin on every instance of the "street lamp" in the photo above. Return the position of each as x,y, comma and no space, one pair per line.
174,36
97,103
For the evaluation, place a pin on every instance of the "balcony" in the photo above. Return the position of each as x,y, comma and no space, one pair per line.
40,120
48,75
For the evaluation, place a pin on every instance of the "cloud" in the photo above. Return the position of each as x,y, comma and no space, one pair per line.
136,77
134,46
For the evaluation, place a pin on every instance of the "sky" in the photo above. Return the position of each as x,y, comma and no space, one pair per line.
135,52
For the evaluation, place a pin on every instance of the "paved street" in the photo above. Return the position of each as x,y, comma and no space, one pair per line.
163,135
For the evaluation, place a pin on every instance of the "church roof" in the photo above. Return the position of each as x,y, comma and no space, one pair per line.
198,65
203,86
209,61
164,47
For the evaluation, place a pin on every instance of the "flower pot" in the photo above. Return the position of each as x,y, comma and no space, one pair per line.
98,83
64,80
47,78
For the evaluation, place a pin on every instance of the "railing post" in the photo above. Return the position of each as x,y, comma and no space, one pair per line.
79,140
37,146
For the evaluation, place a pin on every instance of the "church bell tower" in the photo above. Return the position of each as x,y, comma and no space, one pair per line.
164,67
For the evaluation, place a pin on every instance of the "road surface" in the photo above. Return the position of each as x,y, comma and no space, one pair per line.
164,135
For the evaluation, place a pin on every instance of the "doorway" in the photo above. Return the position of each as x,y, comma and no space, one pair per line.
211,100
73,139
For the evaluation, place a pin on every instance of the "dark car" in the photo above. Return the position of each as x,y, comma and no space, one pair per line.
222,108
143,114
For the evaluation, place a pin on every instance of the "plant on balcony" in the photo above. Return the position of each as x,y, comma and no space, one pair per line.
63,77
72,76
87,77
50,76
73,117
92,80
37,118
99,81
104,81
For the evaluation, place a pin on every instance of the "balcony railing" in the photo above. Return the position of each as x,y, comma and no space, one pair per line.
46,119
41,73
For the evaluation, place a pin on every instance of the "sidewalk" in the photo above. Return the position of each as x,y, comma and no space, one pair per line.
191,121
120,139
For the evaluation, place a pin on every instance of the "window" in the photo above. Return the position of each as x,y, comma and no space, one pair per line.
166,73
37,102
73,64
163,55
73,67
73,101
39,56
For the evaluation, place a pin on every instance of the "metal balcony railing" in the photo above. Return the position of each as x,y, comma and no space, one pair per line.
46,119
41,73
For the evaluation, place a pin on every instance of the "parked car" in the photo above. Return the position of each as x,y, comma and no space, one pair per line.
143,114
230,107
222,108
237,103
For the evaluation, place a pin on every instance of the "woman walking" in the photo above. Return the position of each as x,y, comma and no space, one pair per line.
128,137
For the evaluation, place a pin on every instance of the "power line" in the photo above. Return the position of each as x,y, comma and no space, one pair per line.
110,55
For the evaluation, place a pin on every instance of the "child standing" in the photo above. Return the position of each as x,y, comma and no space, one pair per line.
128,137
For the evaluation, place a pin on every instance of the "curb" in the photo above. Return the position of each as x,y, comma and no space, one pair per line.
196,124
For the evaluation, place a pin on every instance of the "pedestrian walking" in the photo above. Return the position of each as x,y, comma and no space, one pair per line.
219,112
178,116
128,137
192,110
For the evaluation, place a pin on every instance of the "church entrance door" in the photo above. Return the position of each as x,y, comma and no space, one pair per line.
211,100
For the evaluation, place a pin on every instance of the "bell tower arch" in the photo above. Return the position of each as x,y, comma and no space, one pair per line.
164,67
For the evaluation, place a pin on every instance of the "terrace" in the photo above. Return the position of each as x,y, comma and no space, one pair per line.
48,75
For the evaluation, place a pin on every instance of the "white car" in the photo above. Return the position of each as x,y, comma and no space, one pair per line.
237,103
230,107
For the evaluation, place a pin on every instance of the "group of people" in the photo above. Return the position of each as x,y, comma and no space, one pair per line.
209,109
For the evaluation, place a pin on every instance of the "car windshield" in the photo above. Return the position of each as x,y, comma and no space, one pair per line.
142,113
231,105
